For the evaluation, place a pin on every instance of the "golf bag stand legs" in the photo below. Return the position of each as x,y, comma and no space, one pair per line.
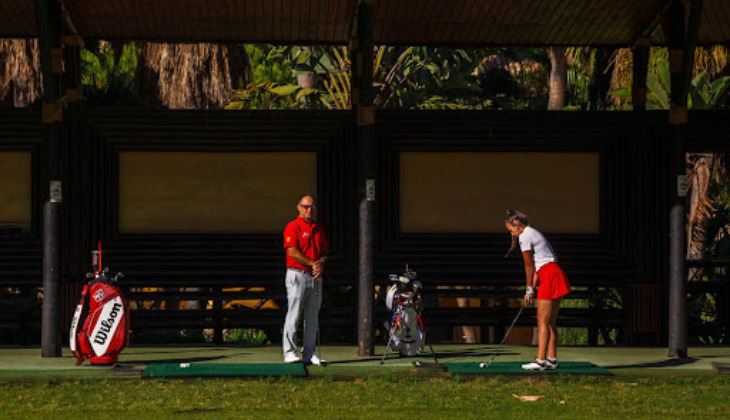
428,340
391,337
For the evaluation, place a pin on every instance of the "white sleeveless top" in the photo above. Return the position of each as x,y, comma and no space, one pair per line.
542,251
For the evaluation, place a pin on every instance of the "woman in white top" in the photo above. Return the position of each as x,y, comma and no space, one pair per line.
546,281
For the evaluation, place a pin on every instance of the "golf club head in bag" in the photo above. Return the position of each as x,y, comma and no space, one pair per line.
100,326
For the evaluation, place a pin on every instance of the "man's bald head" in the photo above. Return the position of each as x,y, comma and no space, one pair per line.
307,208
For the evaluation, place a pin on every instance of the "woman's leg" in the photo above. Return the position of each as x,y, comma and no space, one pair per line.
552,348
544,314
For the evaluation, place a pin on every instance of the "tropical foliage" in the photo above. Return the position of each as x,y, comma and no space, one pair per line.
412,77
108,73
703,93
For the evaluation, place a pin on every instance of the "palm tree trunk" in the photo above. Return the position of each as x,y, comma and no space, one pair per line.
20,73
558,79
697,226
705,168
190,76
307,81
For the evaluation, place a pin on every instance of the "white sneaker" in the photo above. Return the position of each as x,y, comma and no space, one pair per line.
551,364
316,361
291,358
535,365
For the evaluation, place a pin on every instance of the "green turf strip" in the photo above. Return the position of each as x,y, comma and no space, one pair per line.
515,368
159,370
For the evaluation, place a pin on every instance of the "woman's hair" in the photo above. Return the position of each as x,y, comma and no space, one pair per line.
521,218
513,215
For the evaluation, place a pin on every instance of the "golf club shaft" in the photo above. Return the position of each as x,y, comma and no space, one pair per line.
506,335
391,335
316,299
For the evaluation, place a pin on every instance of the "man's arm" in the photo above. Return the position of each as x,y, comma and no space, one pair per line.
297,256
318,267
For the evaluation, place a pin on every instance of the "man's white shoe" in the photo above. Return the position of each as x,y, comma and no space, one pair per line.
316,361
291,358
535,365
551,364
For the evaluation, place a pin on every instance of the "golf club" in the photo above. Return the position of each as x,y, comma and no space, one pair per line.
316,299
487,364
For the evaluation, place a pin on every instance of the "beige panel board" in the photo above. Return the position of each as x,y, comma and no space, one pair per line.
470,192
210,192
15,189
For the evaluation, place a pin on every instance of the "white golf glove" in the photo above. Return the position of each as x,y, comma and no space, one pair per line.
530,292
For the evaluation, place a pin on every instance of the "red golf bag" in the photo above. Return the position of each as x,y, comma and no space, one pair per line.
100,326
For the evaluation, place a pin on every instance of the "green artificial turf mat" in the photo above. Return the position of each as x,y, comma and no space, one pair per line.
159,370
722,368
515,368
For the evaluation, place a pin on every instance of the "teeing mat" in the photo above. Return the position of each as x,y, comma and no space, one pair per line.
722,368
219,370
515,368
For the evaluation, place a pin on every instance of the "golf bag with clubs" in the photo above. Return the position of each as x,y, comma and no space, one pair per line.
100,326
406,332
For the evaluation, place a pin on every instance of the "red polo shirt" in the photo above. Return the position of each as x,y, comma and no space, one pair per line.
309,238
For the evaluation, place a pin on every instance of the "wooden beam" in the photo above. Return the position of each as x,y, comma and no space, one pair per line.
682,45
693,29
365,117
641,53
71,36
49,33
601,78
651,27
48,17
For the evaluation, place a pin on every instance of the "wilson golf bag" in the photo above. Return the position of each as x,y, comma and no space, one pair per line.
100,326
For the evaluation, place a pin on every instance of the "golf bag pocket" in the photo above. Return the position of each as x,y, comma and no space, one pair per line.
407,334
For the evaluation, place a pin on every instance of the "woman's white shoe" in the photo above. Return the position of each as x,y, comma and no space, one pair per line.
535,365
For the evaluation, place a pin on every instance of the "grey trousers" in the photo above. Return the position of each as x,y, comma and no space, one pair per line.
303,299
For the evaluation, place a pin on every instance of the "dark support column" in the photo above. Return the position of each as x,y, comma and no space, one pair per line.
641,53
48,14
362,100
681,60
75,245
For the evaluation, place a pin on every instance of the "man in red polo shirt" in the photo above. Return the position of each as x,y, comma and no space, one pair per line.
306,245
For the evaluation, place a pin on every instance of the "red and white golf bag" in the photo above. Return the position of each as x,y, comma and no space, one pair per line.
100,326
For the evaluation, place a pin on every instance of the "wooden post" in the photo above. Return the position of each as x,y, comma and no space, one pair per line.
681,60
362,101
76,245
641,53
600,79
217,315
48,20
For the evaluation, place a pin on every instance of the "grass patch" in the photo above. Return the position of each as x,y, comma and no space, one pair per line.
371,398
